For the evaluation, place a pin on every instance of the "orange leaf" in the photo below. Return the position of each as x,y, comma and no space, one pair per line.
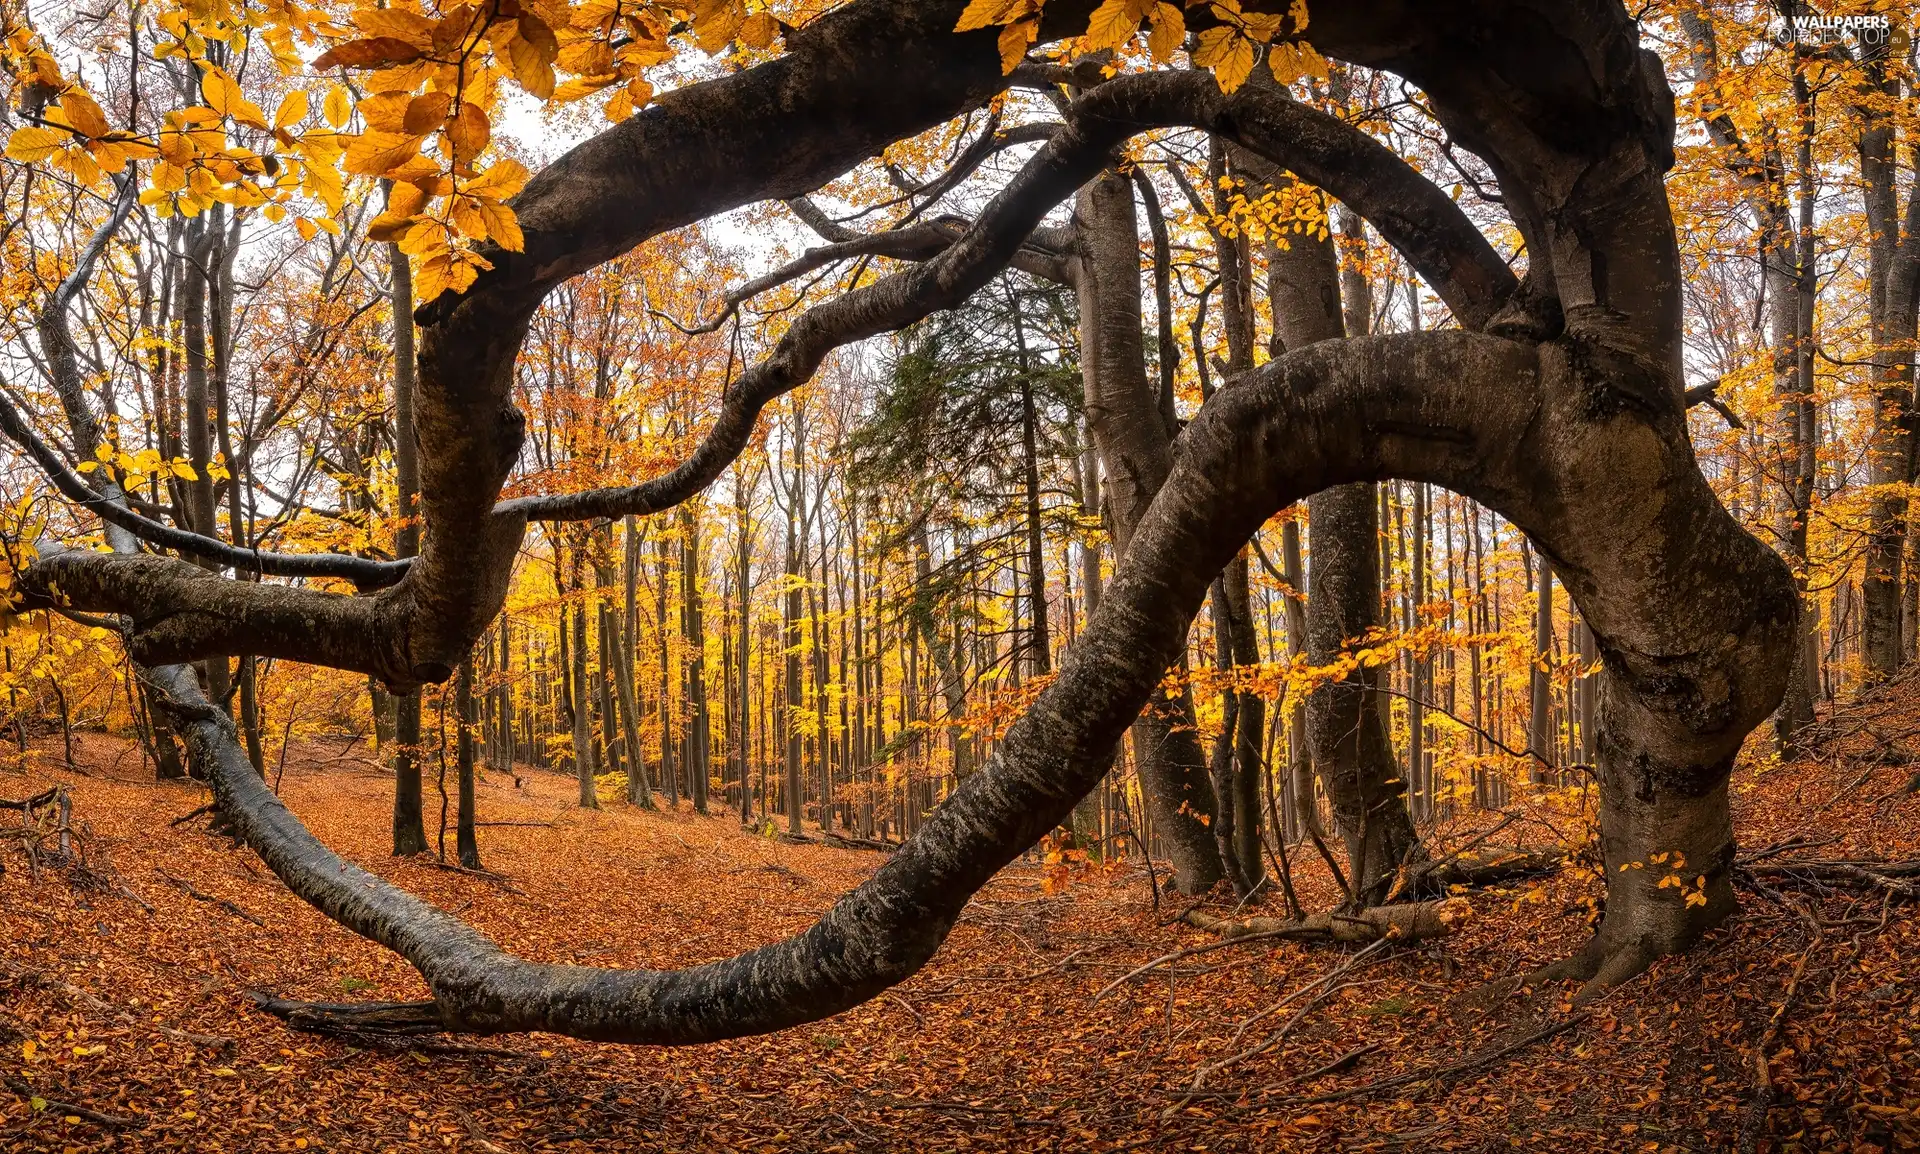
378,52
426,112
469,132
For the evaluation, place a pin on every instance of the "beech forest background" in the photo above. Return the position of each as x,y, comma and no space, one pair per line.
832,636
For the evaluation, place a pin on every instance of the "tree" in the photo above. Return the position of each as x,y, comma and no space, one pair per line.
1558,402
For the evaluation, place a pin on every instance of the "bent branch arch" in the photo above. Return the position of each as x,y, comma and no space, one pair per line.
1685,679
1580,439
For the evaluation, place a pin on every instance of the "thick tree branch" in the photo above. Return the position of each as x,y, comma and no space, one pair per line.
181,612
1071,156
1323,415
1409,210
915,243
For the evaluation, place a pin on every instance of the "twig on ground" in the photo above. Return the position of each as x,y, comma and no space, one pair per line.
56,1106
1338,1064
1753,1120
1322,988
1440,1073
188,888
499,879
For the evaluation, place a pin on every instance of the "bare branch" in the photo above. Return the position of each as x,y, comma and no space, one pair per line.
365,573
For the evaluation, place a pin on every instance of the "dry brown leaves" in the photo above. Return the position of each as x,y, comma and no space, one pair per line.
995,1046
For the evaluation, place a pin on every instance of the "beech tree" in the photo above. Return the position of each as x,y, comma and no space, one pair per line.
1557,398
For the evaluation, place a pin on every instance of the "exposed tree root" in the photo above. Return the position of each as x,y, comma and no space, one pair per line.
1824,874
1599,966
1476,870
1409,921
838,841
354,1019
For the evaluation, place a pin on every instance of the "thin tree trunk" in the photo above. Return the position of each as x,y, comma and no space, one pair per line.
1346,720
409,824
1540,729
467,847
639,788
697,751
1130,433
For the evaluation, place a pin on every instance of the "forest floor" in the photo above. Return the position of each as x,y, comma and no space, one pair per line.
128,1029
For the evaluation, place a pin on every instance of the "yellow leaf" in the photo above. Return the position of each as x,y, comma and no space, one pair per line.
33,143
293,109
377,52
337,106
387,112
29,1048
454,34
432,277
1113,24
426,236
758,30
582,86
78,164
466,217
84,114
375,153
183,470
425,113
404,200
1290,62
1169,31
715,25
986,14
222,91
1014,39
1229,54
396,24
501,180
464,274
503,228
531,53
587,58
469,132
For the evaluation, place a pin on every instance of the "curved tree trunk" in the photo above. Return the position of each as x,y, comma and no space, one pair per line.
1575,432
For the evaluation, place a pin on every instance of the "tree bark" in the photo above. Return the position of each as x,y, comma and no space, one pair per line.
409,823
639,788
466,845
1893,304
1540,730
1346,719
697,750
1130,434
580,698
